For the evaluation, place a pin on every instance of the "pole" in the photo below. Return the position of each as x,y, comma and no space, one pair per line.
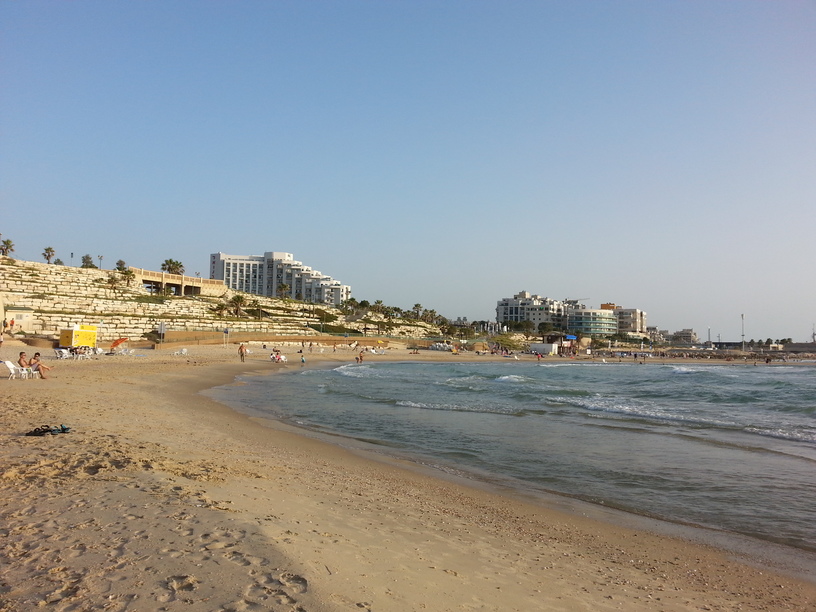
743,332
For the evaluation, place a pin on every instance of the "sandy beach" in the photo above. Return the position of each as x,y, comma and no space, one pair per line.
162,499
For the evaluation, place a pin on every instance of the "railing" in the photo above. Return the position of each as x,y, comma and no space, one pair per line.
179,279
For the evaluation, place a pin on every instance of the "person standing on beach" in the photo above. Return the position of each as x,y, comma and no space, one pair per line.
242,352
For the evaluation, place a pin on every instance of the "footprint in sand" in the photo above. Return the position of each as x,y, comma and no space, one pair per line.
296,583
176,585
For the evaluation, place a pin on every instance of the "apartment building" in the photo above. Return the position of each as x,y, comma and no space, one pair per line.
526,307
264,275
630,320
571,315
588,322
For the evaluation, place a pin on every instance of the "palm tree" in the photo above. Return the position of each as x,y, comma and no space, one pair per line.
220,308
237,302
6,247
417,310
350,305
283,289
171,266
48,254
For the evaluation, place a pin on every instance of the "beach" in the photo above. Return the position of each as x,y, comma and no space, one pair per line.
163,499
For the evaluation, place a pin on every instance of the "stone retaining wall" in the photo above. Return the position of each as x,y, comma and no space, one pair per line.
63,296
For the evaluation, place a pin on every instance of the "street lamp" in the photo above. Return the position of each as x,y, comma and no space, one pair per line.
100,261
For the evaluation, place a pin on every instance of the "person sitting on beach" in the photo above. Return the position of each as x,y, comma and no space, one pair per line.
32,365
37,365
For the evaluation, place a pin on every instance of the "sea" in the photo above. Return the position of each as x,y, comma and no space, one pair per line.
727,448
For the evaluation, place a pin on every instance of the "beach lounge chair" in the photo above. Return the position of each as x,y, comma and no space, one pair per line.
62,353
181,352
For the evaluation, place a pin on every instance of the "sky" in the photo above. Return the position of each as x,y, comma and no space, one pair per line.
660,155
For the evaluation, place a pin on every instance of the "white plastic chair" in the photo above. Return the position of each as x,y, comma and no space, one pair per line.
62,353
181,352
16,371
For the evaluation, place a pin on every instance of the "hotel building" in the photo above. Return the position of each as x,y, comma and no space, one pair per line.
263,275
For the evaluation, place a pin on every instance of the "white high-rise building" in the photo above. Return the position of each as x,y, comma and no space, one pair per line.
263,275
526,307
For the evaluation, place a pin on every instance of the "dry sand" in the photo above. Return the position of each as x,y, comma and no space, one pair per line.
161,499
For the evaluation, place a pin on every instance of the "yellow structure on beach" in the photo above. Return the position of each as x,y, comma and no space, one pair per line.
79,335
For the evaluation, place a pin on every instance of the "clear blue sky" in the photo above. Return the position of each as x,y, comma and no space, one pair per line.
659,155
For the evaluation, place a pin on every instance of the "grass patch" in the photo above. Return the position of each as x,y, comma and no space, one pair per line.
149,299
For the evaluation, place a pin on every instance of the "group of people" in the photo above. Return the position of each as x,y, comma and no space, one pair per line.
276,356
35,363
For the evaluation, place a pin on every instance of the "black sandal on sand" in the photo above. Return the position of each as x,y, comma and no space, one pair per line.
40,431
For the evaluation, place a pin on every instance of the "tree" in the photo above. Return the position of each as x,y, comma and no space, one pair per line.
171,266
6,247
59,262
220,308
544,328
417,310
256,306
350,305
121,265
237,302
128,276
48,254
112,281
87,261
526,327
283,289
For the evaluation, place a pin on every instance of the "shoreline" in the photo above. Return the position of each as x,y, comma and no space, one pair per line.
796,562
288,520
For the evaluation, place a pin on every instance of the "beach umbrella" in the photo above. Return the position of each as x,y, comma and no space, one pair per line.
116,343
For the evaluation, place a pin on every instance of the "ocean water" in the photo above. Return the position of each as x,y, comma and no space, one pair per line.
726,447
